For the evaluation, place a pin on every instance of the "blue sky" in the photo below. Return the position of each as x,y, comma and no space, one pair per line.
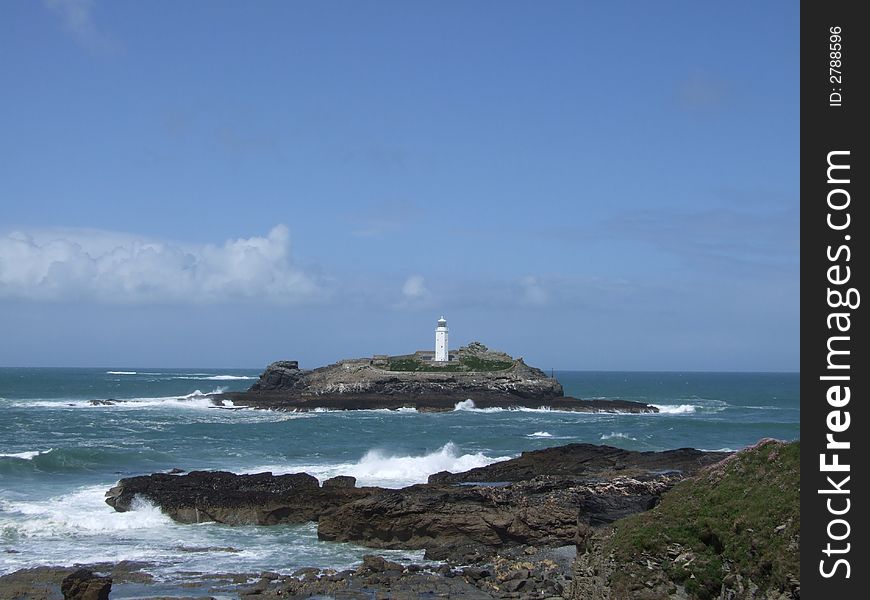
590,185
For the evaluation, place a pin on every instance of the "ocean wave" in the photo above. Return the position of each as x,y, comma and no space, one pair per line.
680,409
470,406
205,377
121,373
617,435
540,434
78,459
27,455
82,511
389,411
195,399
377,467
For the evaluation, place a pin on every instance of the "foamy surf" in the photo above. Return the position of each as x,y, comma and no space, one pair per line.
204,377
27,455
196,399
378,467
82,511
617,435
121,373
470,406
540,434
670,409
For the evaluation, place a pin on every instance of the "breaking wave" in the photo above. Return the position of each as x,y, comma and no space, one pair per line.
540,434
82,511
27,455
470,406
617,435
378,467
680,409
195,399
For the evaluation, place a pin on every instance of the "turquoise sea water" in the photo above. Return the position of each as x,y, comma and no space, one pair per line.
59,453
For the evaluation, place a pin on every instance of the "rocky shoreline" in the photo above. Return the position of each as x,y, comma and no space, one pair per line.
533,499
576,522
487,378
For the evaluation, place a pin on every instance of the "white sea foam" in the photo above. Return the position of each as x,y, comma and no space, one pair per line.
196,399
470,406
207,377
28,455
617,435
388,411
377,467
121,373
83,511
680,409
540,434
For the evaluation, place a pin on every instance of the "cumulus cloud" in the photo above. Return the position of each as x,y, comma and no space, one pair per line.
117,268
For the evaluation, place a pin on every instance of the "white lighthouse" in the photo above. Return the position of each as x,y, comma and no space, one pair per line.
441,352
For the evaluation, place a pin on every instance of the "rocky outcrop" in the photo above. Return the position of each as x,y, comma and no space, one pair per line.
530,500
731,532
222,497
487,378
589,461
456,522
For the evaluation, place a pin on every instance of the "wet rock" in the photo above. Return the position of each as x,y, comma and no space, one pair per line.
378,564
261,499
340,481
451,522
586,461
83,584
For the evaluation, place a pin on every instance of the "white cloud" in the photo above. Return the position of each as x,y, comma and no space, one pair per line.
117,268
414,288
533,292
78,19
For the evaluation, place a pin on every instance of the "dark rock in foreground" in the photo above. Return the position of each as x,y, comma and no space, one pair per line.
261,499
453,522
585,461
532,499
82,584
46,582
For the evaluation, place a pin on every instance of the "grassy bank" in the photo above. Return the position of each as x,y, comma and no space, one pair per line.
737,522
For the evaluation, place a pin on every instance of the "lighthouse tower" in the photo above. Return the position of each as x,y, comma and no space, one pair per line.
441,353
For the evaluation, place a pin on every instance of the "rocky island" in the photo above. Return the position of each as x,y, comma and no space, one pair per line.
474,373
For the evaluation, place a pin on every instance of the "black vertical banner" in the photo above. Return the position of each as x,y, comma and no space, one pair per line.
835,374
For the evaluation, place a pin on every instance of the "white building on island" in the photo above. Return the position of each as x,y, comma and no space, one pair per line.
441,351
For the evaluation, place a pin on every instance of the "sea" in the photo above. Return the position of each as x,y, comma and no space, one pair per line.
60,453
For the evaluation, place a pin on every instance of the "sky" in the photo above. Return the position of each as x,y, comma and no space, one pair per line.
589,185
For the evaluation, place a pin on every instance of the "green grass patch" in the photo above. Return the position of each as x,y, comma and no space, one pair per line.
731,515
465,364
